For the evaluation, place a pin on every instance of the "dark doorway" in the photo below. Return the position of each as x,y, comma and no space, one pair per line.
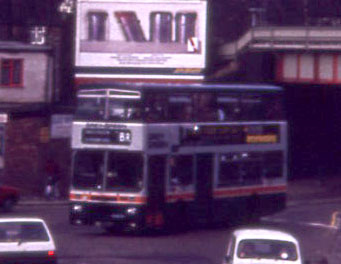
204,179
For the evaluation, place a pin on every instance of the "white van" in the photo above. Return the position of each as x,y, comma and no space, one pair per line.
262,246
26,240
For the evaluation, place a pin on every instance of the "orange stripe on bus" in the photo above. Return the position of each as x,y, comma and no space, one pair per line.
234,192
141,199
78,196
176,197
108,198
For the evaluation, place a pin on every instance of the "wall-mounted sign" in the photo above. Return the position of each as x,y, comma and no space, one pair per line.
61,126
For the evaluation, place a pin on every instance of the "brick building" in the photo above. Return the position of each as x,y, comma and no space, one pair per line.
29,93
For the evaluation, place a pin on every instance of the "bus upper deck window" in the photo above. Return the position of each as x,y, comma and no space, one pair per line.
180,107
252,107
228,108
91,107
155,108
188,113
274,108
124,110
116,110
133,113
153,114
206,106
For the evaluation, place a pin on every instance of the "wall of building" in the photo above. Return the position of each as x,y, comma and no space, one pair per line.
22,155
28,148
36,87
314,116
308,67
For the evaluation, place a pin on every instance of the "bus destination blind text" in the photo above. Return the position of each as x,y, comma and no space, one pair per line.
106,136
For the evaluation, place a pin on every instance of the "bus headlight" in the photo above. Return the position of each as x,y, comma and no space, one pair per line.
77,208
132,210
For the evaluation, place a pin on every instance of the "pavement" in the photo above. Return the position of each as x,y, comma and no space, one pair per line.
300,191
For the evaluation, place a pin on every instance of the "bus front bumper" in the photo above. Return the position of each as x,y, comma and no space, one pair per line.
125,216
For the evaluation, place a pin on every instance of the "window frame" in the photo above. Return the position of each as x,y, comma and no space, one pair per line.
287,245
174,166
113,158
9,65
240,164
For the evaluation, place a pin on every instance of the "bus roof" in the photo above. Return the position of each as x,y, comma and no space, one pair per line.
236,87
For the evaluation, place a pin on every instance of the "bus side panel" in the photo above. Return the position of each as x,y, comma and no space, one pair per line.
230,210
240,209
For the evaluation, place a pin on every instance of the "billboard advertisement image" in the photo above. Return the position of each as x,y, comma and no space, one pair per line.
164,36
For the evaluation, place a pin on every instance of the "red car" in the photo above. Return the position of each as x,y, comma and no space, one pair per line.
9,197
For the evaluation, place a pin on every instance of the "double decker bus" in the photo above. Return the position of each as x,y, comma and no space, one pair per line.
154,155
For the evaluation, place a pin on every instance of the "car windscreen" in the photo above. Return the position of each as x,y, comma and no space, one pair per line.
22,232
267,249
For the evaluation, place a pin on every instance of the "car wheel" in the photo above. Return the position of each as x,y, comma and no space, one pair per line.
8,205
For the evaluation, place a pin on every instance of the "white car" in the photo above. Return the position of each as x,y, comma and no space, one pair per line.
26,240
262,246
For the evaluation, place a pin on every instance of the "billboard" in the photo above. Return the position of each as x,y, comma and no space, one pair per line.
140,37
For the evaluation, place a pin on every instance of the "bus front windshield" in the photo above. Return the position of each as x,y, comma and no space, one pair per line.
113,109
124,110
93,107
108,171
124,172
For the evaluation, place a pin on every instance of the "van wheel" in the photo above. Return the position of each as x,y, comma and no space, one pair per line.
8,205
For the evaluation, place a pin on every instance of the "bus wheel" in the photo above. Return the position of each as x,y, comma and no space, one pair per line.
179,220
113,228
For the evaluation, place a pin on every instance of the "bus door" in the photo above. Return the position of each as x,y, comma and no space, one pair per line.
204,178
156,190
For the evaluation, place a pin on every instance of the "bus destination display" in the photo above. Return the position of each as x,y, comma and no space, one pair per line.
106,136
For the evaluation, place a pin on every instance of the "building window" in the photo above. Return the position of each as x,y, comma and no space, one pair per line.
11,72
